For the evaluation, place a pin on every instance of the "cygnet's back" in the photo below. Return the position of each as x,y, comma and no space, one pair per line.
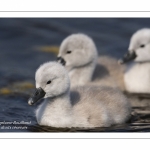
114,70
78,54
101,106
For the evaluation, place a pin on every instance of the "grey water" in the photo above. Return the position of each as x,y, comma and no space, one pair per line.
19,59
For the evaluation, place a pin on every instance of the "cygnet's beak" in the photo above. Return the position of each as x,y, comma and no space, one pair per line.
61,60
127,57
38,94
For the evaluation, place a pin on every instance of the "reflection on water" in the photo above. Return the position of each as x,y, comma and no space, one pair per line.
27,43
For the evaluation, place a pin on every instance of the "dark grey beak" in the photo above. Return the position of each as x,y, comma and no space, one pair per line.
61,60
127,57
39,94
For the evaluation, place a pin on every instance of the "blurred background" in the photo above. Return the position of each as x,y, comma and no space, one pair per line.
25,43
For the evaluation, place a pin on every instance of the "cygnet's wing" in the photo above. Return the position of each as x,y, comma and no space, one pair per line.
95,93
114,71
99,103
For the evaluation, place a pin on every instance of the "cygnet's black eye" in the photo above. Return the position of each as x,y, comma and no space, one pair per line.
68,52
142,45
48,82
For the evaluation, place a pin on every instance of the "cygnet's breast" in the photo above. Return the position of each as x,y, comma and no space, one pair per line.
137,78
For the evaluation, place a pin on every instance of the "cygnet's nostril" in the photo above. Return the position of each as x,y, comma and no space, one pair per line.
61,60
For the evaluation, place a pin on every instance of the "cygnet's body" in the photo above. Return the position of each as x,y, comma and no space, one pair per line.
115,73
78,54
137,73
82,107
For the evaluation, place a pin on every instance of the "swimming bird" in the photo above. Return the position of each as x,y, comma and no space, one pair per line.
85,107
137,73
78,53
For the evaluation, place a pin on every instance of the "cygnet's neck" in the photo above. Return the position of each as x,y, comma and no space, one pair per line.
82,75
56,111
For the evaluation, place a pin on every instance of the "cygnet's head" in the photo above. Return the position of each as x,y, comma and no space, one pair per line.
51,80
139,47
77,50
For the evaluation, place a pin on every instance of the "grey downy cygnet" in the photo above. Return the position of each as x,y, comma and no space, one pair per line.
137,73
86,107
79,55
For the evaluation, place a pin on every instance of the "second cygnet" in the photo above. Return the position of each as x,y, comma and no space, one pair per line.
78,54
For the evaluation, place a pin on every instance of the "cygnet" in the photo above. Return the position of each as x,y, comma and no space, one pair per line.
78,54
137,73
86,107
